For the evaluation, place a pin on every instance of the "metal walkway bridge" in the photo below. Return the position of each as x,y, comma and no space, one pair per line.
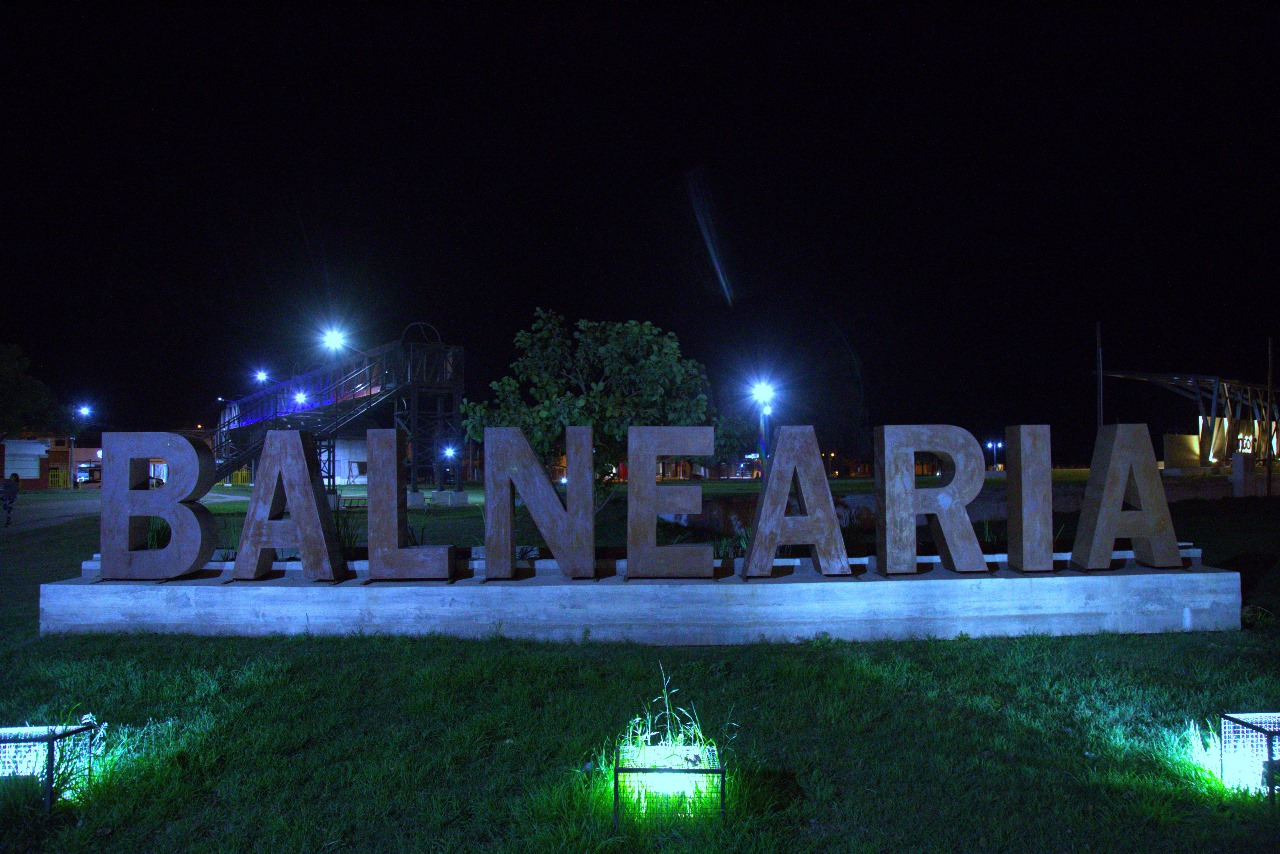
415,385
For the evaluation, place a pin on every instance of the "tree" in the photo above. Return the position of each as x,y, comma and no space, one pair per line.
25,402
735,436
608,376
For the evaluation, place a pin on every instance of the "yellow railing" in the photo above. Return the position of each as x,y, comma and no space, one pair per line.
58,479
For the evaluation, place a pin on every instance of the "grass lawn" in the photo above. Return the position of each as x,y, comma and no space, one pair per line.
437,744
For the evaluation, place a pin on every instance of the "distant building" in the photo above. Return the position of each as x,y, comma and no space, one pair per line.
40,462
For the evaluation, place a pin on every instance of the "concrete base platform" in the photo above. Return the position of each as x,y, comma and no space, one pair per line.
546,606
448,498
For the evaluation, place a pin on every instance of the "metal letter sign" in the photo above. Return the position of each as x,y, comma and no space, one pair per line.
388,522
796,457
1029,487
1124,470
569,531
901,501
289,478
645,499
1124,498
128,503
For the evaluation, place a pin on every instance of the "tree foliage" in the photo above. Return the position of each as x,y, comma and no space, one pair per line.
605,375
25,402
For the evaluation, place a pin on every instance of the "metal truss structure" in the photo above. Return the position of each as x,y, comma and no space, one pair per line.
1233,415
414,384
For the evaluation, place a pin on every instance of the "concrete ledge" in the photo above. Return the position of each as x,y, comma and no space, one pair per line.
546,606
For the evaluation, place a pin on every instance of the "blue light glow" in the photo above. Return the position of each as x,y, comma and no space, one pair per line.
762,393
334,339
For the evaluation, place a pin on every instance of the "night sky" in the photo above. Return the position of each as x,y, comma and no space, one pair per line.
923,214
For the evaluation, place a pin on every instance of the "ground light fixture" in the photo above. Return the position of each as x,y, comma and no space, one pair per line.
667,780
59,755
1250,752
664,767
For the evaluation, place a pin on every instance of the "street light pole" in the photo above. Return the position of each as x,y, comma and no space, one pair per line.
84,412
763,393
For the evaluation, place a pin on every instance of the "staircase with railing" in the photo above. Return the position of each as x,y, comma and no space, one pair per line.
326,400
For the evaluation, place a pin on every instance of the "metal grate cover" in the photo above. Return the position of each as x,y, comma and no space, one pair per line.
668,781
1251,751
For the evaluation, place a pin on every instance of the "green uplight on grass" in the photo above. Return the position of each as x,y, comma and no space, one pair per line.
682,779
1249,752
665,767
60,756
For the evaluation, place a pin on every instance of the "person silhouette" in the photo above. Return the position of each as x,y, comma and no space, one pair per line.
10,496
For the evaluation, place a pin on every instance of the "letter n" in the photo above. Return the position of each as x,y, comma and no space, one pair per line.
569,529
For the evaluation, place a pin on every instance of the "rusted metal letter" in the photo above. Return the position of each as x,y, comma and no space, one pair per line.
1029,489
944,506
289,478
388,525
569,528
645,500
1124,470
795,456
128,505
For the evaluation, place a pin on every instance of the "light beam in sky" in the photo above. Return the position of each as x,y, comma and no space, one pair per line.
700,198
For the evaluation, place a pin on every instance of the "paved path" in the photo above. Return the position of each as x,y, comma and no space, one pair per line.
45,510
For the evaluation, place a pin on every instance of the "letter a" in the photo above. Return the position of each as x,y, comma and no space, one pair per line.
796,456
289,476
1124,469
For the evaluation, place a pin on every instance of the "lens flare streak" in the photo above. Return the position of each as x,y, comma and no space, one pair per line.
700,199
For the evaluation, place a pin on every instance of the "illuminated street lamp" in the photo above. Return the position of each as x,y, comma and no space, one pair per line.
995,448
334,339
84,411
260,376
449,453
762,393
